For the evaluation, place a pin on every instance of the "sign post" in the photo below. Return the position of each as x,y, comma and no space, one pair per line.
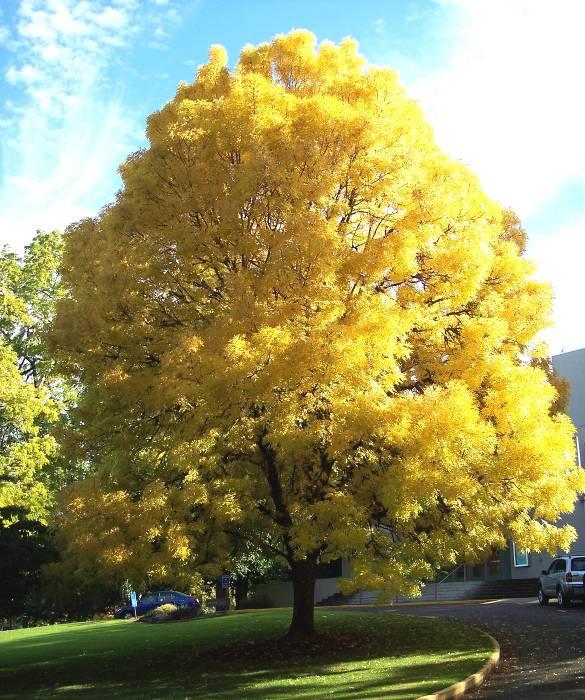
222,588
134,601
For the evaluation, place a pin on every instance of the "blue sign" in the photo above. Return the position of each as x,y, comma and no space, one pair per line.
225,581
133,599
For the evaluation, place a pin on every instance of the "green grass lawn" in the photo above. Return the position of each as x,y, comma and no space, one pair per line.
361,655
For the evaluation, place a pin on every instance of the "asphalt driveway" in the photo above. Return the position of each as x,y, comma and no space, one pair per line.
543,648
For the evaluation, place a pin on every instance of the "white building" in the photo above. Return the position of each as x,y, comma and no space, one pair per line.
519,565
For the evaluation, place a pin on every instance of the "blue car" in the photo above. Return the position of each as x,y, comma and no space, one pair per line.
148,601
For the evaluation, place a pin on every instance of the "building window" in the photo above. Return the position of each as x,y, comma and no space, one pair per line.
477,570
520,556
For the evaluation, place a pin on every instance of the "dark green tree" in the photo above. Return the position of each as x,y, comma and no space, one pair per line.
34,402
26,546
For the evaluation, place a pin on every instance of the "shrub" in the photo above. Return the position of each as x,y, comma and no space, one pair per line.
185,613
170,613
159,614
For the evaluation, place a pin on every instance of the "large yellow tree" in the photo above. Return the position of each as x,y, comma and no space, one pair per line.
302,325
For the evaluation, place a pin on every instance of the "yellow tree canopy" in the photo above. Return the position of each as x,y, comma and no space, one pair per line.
303,324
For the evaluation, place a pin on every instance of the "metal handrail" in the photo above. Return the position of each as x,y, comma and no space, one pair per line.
455,570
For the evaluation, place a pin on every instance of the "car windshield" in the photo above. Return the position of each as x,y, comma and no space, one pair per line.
578,564
148,598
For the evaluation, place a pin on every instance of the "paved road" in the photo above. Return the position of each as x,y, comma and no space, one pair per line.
543,648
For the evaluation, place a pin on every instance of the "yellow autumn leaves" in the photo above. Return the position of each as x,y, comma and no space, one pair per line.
300,321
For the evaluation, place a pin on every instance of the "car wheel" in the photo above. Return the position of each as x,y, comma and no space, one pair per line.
128,616
562,599
542,599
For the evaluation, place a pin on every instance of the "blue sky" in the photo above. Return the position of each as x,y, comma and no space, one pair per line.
500,81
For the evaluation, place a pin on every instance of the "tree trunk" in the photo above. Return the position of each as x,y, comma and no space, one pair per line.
304,573
241,588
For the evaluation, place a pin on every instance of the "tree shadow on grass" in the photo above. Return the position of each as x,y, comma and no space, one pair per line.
168,678
412,681
145,664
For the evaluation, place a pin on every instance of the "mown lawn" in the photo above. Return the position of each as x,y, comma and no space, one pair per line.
359,656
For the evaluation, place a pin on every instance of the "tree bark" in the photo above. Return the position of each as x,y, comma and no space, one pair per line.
241,588
304,574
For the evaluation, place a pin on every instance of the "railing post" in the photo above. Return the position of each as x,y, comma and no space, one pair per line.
437,583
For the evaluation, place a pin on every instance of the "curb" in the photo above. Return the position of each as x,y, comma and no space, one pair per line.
366,606
430,603
457,690
464,601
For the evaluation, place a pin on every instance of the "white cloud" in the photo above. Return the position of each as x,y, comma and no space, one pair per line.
63,47
62,187
560,261
25,74
173,16
508,99
50,52
111,18
64,20
69,130
379,25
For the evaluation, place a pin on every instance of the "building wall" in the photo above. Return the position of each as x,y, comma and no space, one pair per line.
280,593
571,366
537,561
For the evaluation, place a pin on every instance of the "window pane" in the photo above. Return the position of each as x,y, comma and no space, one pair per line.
578,564
520,557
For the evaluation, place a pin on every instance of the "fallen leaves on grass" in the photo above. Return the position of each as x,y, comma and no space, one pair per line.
319,646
